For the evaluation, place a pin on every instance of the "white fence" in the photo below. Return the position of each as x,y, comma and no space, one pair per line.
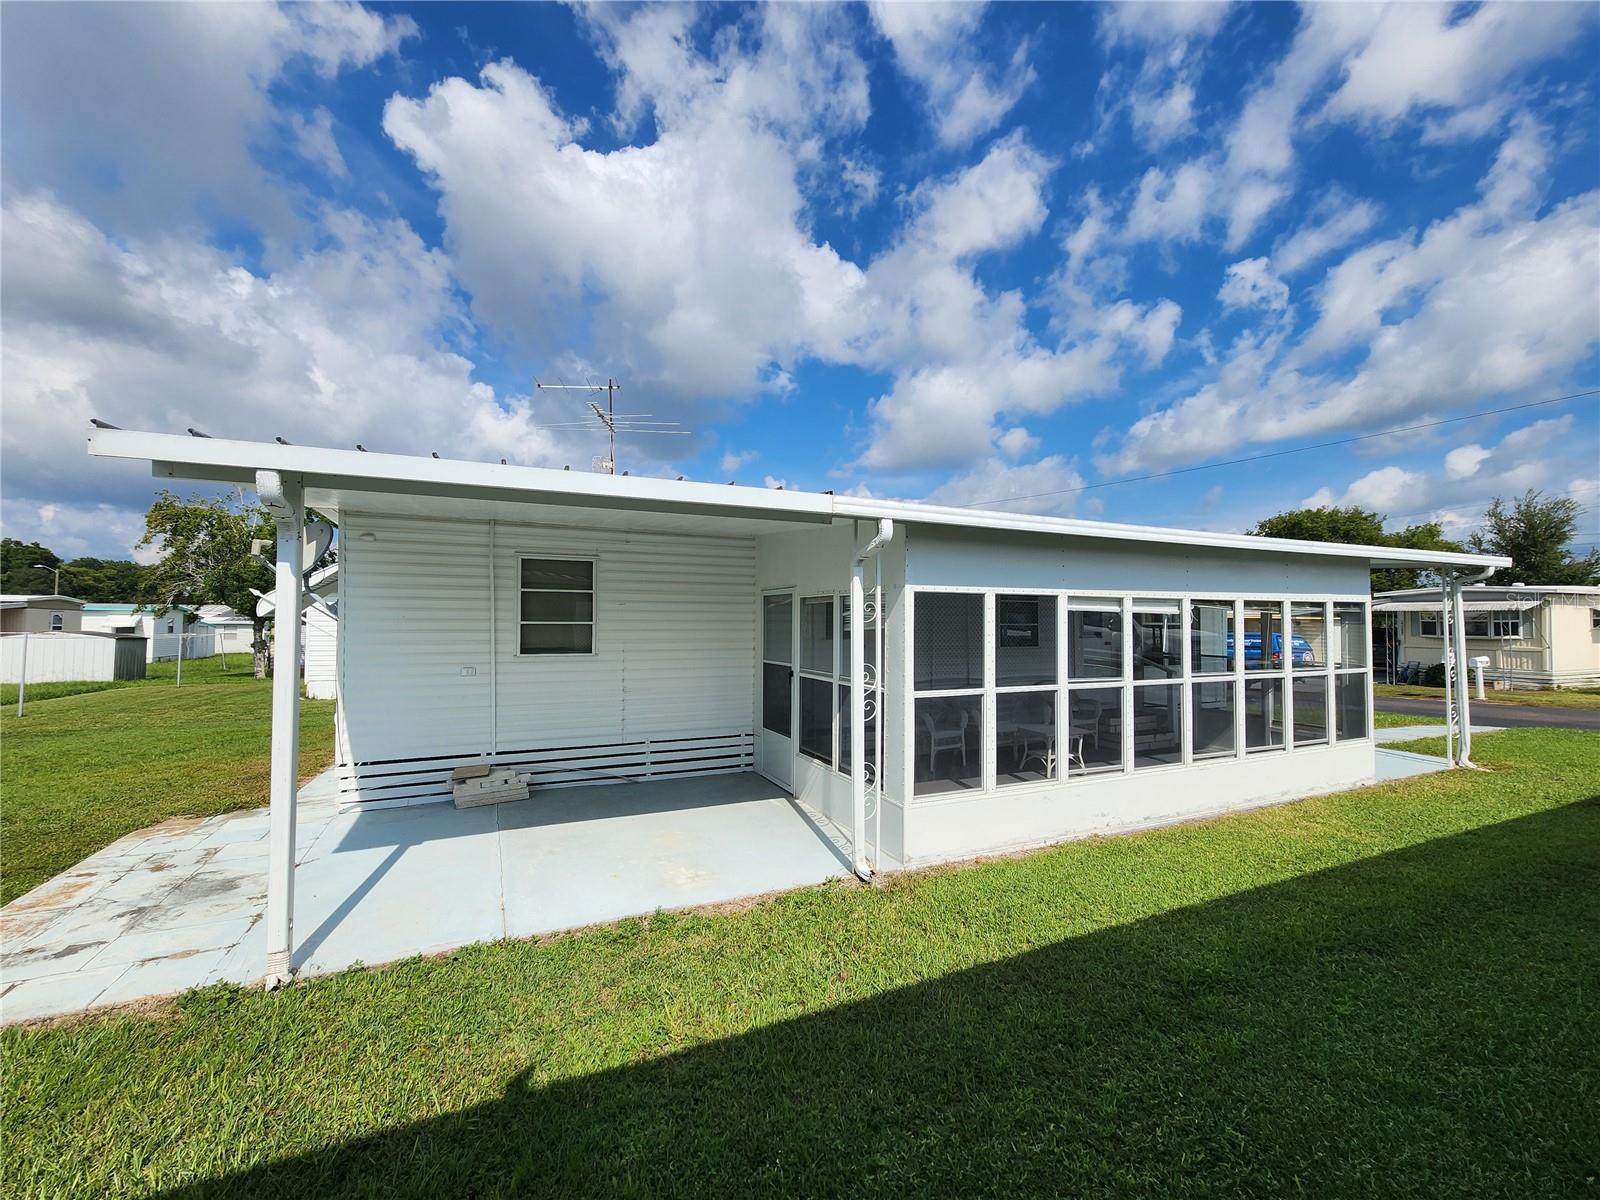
60,657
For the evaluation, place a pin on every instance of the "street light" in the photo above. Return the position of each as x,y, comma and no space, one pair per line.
57,570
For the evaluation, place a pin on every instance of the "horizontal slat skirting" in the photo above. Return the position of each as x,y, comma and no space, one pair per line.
378,784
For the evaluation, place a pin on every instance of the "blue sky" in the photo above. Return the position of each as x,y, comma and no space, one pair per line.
975,254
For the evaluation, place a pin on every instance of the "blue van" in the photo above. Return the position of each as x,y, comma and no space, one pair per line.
1304,656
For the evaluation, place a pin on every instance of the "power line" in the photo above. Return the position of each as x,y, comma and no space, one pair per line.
1233,462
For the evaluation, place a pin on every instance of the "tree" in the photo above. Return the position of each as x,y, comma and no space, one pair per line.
1536,533
102,580
1356,526
205,544
19,575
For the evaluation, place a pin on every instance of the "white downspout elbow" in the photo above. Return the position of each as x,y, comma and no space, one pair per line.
885,532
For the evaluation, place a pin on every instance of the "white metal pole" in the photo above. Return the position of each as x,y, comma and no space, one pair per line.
22,679
282,499
880,694
1458,643
180,650
1446,650
858,720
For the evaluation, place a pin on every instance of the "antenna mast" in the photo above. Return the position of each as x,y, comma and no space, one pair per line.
610,420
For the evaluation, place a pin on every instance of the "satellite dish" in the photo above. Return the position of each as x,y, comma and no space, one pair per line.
264,604
319,536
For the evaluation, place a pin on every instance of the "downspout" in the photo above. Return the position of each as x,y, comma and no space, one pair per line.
282,501
1458,679
858,700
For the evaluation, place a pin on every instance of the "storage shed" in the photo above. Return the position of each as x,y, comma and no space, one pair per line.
931,682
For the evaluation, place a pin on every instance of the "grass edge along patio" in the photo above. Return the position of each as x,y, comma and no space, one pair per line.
929,683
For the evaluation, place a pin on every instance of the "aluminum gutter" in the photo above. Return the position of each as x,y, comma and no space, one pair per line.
225,461
929,514
181,457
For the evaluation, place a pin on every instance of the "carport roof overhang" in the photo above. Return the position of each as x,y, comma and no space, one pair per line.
347,481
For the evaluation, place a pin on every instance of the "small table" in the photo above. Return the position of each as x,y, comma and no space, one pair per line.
1046,733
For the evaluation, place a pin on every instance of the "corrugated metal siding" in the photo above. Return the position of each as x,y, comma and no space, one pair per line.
675,645
58,657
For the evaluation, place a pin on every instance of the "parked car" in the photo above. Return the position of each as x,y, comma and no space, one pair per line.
1304,655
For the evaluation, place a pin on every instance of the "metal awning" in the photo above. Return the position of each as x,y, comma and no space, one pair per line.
1471,606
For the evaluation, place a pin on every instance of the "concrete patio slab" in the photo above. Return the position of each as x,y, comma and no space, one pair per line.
1403,764
182,904
1413,733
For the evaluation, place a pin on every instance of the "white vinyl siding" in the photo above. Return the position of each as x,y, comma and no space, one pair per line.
321,653
674,652
415,607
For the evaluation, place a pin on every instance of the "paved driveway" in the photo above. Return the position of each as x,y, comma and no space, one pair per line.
182,904
1520,715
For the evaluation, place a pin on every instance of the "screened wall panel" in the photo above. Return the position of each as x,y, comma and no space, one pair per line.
947,654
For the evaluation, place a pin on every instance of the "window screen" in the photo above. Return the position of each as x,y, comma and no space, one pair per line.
1157,640
949,641
1094,641
1350,647
1211,637
556,612
816,634
1024,641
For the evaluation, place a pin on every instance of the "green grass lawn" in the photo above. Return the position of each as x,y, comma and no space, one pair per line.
1383,720
1553,698
78,772
231,668
1388,992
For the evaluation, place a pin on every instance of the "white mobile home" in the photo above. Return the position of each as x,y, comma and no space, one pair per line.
1533,637
321,633
163,633
933,682
230,632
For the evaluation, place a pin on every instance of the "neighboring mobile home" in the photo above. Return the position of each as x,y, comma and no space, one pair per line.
40,614
43,640
1533,636
935,682
322,635
162,631
230,632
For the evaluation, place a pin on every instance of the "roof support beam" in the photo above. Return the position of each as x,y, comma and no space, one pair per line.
283,500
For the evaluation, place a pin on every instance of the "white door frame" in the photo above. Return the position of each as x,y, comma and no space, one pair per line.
777,751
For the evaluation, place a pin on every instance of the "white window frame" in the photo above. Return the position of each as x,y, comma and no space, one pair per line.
1126,601
993,689
58,621
983,690
831,677
594,598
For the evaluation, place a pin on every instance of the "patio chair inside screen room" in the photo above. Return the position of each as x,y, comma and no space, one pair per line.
948,732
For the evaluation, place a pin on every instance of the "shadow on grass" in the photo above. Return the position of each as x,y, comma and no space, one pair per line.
1419,1023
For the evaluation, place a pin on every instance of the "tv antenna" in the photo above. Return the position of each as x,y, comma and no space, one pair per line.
610,419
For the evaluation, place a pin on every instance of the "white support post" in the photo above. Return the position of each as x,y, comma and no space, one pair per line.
858,721
22,678
1446,650
1458,678
282,499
